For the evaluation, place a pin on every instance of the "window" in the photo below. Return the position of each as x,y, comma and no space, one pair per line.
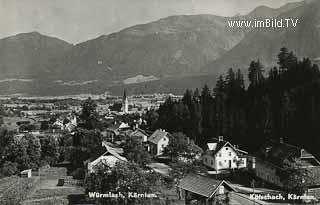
229,154
227,148
211,162
164,139
219,154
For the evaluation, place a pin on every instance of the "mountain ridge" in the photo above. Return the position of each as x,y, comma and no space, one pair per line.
265,43
172,50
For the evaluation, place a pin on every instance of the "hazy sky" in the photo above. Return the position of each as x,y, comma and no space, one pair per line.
81,20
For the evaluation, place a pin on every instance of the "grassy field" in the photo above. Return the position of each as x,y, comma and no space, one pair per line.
38,190
11,122
14,189
6,183
47,191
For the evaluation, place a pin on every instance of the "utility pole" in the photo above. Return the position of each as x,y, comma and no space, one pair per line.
252,185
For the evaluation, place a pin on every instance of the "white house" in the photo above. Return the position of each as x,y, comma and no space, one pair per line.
222,155
109,158
158,141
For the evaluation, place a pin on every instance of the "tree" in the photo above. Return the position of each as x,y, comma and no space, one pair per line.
151,118
122,178
89,116
9,169
135,152
85,143
33,150
49,150
286,59
255,73
25,151
207,113
178,146
2,112
180,169
294,177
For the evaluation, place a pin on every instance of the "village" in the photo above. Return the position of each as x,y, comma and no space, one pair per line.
219,173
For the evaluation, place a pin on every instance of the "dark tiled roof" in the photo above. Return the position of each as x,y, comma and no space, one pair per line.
138,132
157,136
200,185
276,152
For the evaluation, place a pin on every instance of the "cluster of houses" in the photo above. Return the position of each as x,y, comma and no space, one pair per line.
220,156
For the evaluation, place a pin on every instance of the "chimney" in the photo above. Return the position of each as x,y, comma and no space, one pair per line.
220,138
281,140
268,149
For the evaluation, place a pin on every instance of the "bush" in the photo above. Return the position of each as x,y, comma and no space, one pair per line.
79,173
9,169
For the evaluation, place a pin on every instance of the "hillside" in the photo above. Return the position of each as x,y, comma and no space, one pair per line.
267,12
21,55
170,47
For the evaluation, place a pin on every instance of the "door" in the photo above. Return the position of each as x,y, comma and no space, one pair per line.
229,164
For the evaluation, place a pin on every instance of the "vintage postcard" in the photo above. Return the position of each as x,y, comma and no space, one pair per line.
158,102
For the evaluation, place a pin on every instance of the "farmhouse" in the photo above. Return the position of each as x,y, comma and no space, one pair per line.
116,131
222,155
109,158
158,141
272,157
140,135
197,189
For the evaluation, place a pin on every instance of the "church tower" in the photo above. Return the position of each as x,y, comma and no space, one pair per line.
125,103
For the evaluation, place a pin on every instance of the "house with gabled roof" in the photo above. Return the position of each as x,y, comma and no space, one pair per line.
116,130
140,135
222,155
269,164
158,141
202,190
109,158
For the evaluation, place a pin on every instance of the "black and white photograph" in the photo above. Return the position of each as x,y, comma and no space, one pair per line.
159,102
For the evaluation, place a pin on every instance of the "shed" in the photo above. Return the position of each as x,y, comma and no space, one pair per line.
26,173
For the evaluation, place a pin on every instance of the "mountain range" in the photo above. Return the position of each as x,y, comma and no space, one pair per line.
168,55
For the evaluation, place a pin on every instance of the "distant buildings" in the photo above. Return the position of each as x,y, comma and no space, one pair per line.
222,155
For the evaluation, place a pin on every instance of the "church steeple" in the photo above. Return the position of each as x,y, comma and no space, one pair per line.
125,103
124,95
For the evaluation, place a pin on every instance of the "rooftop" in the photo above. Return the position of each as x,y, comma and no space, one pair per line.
157,136
201,185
